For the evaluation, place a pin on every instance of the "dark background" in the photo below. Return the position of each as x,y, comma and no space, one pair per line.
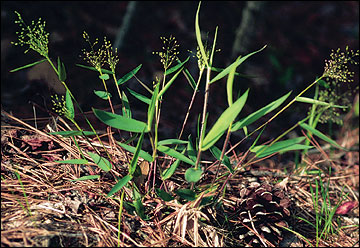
299,36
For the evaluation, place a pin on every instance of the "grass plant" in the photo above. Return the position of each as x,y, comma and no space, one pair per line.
103,61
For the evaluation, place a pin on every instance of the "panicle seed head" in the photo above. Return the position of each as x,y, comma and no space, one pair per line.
59,106
336,71
34,36
95,58
336,67
169,51
112,57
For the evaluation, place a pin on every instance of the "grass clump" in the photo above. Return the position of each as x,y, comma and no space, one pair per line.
173,157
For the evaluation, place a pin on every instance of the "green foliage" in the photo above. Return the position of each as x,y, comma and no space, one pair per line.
224,121
180,152
324,212
193,175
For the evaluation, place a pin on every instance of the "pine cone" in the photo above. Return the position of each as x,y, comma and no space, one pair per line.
261,207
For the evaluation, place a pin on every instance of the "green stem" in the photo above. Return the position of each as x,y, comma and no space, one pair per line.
106,90
81,111
120,214
202,132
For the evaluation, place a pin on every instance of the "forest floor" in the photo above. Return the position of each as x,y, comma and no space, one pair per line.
42,206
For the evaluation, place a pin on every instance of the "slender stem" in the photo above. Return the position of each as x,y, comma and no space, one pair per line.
120,95
120,214
268,121
106,90
222,153
191,103
86,119
203,116
288,105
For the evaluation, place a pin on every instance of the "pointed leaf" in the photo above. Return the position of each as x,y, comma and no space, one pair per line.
313,101
259,113
186,194
167,85
213,47
102,94
189,78
29,65
86,178
129,75
172,142
152,106
226,161
73,161
163,194
142,154
174,68
281,146
119,121
127,110
103,163
139,208
104,76
235,64
229,85
69,105
191,151
140,97
94,69
236,73
167,173
193,175
223,123
198,37
321,136
122,182
135,158
72,133
61,71
175,154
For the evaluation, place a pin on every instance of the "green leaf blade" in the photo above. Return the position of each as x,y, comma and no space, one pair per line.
167,85
226,161
223,123
119,121
259,113
135,158
173,142
61,71
167,173
193,175
104,76
102,94
140,97
28,65
164,195
72,133
90,177
186,194
128,75
176,67
281,146
69,105
234,64
103,163
175,154
321,135
73,161
94,69
122,182
152,106
142,154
